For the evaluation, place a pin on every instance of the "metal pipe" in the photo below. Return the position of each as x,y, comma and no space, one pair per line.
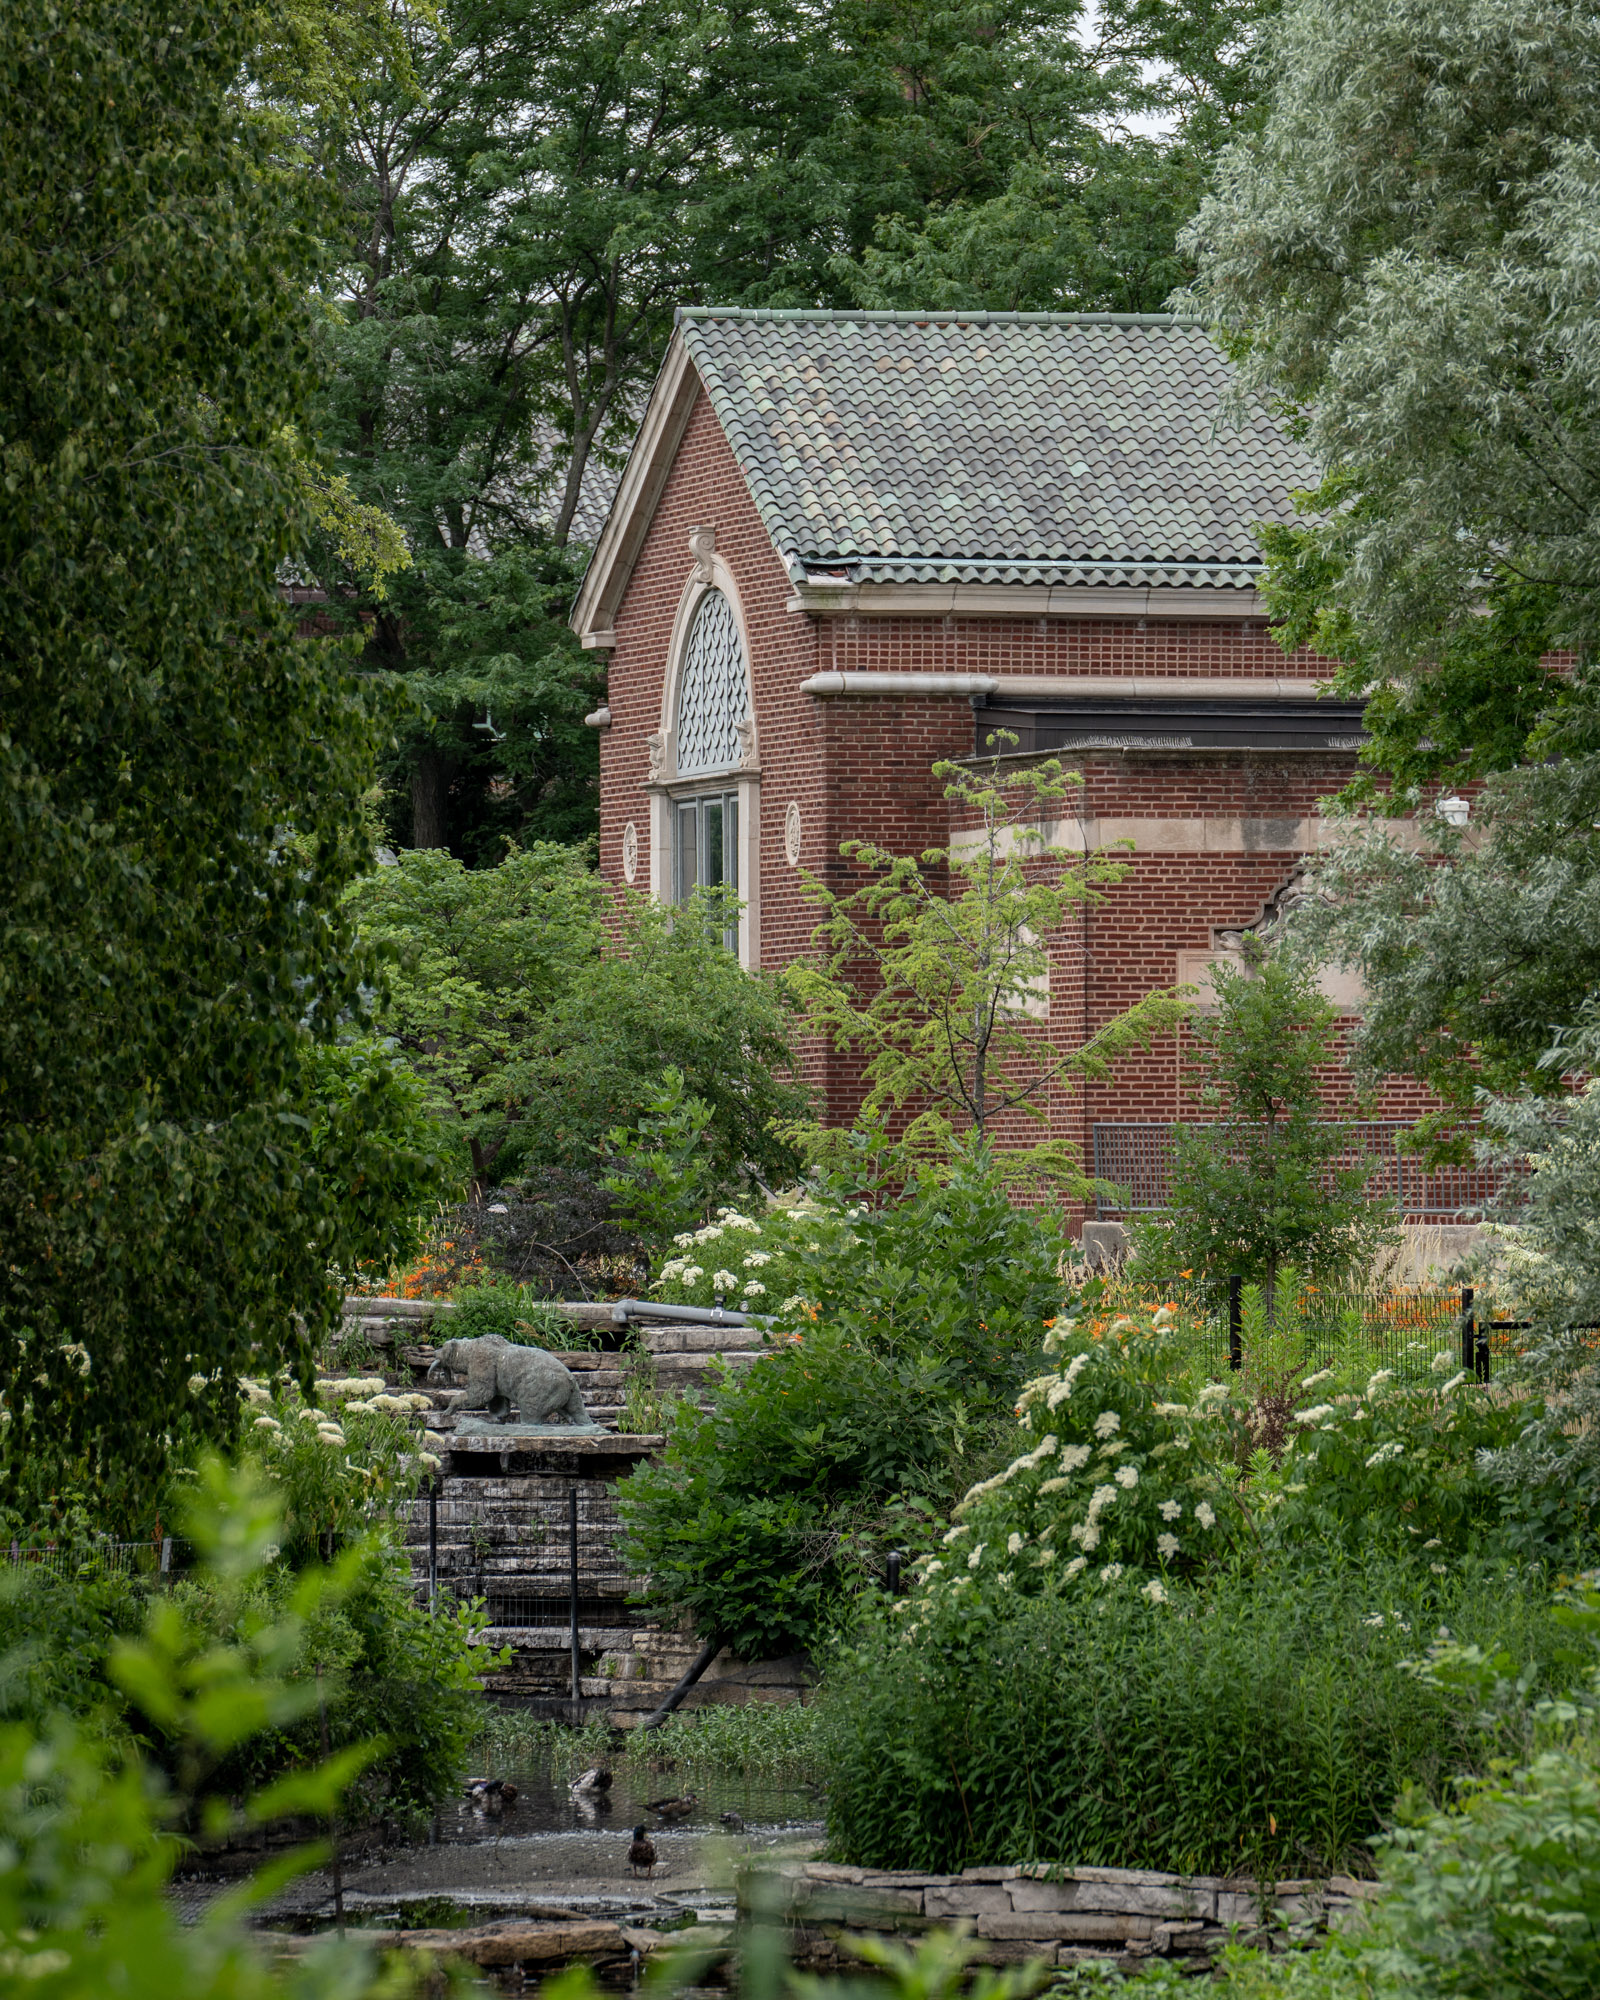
626,1310
895,1557
572,1596
1469,1344
708,1652
433,1543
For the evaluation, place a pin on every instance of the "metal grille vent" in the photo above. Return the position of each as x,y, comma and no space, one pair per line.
713,696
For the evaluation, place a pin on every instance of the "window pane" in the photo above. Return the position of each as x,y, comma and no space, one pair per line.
711,820
730,841
688,852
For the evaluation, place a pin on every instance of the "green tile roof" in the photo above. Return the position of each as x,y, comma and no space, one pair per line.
994,448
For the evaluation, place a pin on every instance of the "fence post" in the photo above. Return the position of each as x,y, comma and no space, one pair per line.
1235,1322
433,1544
166,1557
572,1594
1469,1344
895,1556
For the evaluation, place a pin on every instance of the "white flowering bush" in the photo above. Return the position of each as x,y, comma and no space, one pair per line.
1389,1458
1124,1477
752,1264
341,1463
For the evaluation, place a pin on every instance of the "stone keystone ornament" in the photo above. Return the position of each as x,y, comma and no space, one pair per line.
502,1377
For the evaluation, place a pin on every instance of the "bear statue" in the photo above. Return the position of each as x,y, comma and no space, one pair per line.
502,1377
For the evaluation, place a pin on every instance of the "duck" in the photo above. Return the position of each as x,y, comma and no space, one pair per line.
642,1853
732,1822
596,1779
670,1809
491,1795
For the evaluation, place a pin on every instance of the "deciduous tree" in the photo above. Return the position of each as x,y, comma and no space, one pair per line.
177,770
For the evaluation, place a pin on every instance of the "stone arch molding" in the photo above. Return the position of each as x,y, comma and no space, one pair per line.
709,575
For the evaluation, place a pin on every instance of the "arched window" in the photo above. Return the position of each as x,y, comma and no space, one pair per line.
713,690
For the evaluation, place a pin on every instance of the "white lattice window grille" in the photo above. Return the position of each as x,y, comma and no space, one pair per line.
713,690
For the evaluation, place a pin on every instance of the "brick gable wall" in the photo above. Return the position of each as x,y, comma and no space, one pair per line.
859,768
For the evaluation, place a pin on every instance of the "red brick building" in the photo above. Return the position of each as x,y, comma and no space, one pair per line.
847,544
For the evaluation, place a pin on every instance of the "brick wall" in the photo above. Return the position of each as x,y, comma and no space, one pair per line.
859,768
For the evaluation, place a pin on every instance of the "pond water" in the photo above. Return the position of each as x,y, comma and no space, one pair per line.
552,1849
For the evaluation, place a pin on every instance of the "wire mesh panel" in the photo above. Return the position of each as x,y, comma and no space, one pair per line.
1137,1160
94,1559
506,1545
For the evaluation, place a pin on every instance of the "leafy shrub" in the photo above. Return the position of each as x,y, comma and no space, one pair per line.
767,1507
516,1312
340,1465
886,1383
393,1676
1126,1461
766,1265
1265,1725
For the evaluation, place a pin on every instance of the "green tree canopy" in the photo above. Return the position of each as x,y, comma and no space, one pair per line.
937,970
177,770
1266,1179
540,1014
1405,263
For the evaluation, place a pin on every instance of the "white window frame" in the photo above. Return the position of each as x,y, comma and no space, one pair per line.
742,781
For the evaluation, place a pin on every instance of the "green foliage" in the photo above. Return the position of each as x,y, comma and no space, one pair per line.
1404,259
1263,1727
85,1825
764,1266
540,1015
938,991
515,1312
663,1181
386,1156
769,1508
918,1320
1130,1464
340,1462
398,1686
176,767
1475,955
1262,1186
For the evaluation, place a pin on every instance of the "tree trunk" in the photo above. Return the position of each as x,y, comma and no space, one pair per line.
428,800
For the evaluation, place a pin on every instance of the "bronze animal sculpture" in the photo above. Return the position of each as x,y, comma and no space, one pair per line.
502,1377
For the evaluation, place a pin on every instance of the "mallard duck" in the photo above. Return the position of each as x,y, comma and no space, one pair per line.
597,1779
673,1808
642,1853
732,1822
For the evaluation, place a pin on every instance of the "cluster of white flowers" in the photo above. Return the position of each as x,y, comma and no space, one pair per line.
756,1259
754,1290
1213,1392
1111,1573
1204,1515
1076,1567
1385,1452
1166,1547
1322,1375
1377,1383
1127,1476
1107,1424
1155,1591
1013,1543
1170,1510
723,1281
1028,1462
1317,1414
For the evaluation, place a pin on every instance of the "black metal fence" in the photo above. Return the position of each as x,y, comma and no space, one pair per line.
1137,1159
1402,1329
539,1555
